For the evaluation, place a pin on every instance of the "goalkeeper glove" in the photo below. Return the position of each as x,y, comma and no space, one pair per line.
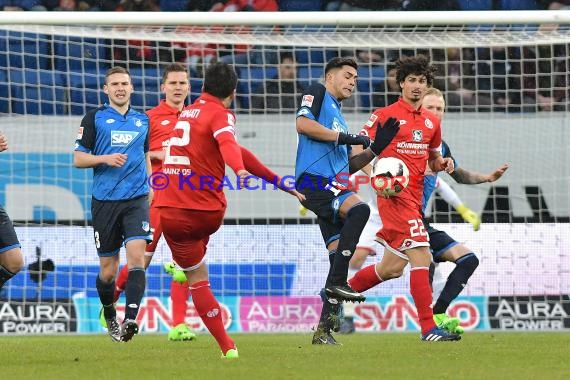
303,210
350,139
384,135
469,216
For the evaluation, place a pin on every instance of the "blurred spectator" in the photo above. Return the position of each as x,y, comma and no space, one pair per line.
456,78
554,5
240,55
245,5
196,55
545,77
364,5
136,53
498,74
23,5
431,5
138,6
280,93
200,5
72,5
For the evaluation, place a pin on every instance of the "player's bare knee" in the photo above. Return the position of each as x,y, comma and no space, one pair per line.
12,260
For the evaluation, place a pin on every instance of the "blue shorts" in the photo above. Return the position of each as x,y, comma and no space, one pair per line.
8,238
324,200
439,242
117,222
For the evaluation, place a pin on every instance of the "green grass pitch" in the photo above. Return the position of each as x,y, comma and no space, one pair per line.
288,356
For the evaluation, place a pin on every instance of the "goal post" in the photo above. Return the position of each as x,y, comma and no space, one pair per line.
505,77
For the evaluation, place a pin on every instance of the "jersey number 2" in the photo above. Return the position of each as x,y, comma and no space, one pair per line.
178,141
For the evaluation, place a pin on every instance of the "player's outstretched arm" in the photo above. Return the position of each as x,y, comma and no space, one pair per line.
469,177
258,169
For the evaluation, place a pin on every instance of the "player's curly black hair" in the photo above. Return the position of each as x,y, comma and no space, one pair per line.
416,65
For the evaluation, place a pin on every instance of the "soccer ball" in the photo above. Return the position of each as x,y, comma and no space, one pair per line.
389,176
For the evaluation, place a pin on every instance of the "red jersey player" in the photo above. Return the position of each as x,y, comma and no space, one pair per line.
403,234
175,86
192,206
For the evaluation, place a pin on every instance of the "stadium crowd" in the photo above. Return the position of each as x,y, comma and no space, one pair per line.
529,78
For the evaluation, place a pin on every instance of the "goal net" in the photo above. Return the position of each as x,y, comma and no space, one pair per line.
505,77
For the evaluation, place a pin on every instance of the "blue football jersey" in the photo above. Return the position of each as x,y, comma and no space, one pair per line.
106,131
321,158
430,180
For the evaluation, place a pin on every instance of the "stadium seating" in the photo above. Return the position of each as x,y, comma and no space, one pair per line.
476,5
4,93
77,54
37,92
313,56
28,50
308,75
146,81
369,77
300,5
518,5
173,5
250,79
195,89
3,48
85,90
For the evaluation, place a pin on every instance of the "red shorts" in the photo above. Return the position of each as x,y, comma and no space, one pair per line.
156,230
187,233
402,227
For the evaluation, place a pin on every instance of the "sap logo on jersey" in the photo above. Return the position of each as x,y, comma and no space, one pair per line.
122,138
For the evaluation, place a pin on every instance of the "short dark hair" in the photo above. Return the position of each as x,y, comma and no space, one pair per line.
339,62
220,80
416,65
116,70
174,68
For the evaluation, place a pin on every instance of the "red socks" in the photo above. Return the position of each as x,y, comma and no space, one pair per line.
365,279
211,313
421,293
179,293
120,283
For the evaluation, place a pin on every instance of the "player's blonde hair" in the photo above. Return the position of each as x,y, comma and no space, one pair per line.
434,91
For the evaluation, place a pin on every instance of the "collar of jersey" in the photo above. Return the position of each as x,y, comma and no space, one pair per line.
408,106
211,98
167,108
111,109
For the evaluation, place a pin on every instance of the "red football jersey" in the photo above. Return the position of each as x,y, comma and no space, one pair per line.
193,162
419,134
162,119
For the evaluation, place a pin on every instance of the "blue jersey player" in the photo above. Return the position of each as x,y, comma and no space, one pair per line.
442,246
11,260
323,152
113,140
